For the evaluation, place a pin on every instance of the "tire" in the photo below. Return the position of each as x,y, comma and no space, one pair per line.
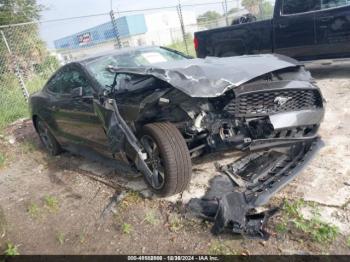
47,139
175,166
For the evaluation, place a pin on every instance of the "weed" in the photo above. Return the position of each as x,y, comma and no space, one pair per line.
131,198
281,227
293,208
219,248
82,238
11,250
60,238
175,224
33,210
2,159
28,146
348,242
127,228
318,230
51,203
151,218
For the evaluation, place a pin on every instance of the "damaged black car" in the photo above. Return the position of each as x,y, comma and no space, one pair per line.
156,109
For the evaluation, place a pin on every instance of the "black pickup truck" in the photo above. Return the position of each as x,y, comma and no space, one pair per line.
302,29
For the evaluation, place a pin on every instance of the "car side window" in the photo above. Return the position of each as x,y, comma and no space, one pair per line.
55,83
72,79
325,4
290,7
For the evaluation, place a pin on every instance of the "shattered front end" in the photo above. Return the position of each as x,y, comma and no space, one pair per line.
264,114
275,120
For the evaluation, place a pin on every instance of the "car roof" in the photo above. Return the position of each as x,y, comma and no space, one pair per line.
115,52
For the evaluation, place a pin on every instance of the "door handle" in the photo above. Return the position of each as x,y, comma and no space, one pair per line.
326,18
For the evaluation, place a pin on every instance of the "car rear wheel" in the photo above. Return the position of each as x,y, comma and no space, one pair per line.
47,139
167,157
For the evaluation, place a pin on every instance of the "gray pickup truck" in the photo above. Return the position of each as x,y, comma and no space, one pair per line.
302,29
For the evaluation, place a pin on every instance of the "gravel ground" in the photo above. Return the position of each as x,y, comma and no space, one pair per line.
66,202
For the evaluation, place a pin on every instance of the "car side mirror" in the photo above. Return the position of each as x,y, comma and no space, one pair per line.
77,92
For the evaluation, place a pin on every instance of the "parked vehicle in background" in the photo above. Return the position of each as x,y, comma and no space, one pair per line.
305,30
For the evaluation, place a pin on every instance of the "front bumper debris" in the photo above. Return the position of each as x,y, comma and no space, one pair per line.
249,183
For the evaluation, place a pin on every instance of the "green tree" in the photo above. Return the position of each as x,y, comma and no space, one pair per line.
260,8
208,17
251,5
266,10
30,56
19,11
24,41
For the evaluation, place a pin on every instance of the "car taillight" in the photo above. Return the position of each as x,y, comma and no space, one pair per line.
195,42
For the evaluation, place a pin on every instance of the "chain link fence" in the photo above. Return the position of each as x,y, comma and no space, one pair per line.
31,52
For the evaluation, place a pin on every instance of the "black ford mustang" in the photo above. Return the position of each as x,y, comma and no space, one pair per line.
160,108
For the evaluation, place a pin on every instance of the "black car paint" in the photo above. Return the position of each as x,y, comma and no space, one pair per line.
313,35
71,119
74,119
196,96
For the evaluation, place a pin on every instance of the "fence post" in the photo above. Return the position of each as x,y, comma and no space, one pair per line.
179,11
115,28
224,5
16,68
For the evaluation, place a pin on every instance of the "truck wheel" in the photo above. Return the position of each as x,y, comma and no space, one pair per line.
168,158
47,139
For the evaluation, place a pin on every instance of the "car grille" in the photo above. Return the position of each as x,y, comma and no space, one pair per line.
272,102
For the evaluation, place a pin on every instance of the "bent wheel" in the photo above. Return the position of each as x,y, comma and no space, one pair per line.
167,157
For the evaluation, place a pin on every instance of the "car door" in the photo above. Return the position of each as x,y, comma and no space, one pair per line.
333,29
75,116
294,28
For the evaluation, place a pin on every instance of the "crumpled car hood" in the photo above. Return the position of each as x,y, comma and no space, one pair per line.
212,77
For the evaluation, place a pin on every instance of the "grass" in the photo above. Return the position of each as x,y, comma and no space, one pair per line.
181,47
132,198
60,238
348,242
33,210
127,228
13,105
51,203
11,250
2,159
315,228
175,224
151,218
28,147
219,248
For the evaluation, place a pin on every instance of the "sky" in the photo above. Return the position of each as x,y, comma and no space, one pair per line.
58,9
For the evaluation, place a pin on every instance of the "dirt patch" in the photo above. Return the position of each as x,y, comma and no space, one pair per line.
62,201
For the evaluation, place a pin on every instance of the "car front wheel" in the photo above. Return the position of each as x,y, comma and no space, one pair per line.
167,157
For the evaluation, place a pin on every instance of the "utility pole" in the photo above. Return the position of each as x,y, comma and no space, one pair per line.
225,11
115,29
179,12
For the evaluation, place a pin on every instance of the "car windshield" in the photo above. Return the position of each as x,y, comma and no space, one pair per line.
135,58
